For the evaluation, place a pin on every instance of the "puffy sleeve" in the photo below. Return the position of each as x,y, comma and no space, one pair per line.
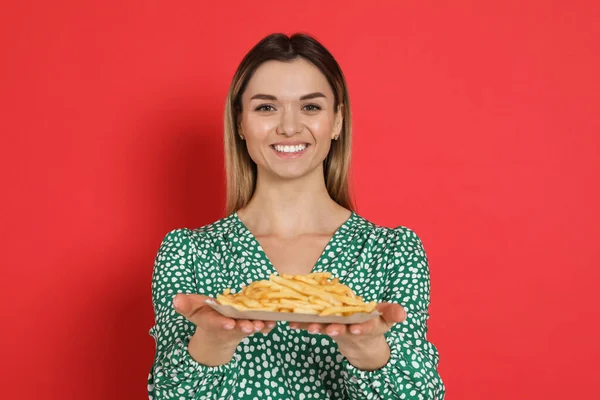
411,373
174,373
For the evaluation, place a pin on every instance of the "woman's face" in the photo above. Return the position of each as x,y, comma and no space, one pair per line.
288,118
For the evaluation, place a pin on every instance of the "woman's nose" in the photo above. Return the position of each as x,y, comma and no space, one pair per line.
290,123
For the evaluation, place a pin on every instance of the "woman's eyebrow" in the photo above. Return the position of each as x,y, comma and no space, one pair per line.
312,96
273,98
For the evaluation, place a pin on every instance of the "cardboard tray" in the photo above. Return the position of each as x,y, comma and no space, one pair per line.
234,313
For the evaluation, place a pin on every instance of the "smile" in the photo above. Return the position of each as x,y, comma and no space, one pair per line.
290,151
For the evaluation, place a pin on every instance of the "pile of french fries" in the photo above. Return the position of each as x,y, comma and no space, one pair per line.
305,294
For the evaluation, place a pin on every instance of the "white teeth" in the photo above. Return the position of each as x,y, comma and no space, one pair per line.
290,149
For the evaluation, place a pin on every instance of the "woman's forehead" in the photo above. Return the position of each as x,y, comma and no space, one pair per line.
288,80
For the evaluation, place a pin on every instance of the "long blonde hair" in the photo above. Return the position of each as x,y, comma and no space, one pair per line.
240,169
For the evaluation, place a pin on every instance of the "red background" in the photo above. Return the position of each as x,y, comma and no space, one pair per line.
476,125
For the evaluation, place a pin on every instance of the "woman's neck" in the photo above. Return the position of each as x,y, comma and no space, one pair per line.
290,207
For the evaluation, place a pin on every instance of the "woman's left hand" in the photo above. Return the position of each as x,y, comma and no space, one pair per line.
364,343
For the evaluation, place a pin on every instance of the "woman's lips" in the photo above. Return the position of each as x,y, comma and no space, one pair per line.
286,156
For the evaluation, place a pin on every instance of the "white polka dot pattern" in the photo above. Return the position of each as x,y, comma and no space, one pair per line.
378,263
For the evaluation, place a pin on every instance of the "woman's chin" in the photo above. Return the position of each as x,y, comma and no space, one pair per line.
291,173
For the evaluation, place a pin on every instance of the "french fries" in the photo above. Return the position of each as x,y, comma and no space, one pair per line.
304,294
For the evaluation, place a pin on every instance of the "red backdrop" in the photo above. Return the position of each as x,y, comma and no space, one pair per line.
476,125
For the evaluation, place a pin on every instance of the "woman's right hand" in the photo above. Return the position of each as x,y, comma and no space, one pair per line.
216,336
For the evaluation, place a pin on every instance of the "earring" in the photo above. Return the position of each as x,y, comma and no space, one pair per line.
241,137
336,137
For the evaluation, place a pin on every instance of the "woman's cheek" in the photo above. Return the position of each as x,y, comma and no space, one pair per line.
257,128
267,125
321,128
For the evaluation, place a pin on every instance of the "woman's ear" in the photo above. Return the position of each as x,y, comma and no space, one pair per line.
239,128
338,124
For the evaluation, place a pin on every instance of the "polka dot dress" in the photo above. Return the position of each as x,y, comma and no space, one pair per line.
378,263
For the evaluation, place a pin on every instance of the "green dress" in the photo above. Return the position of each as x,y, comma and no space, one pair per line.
378,263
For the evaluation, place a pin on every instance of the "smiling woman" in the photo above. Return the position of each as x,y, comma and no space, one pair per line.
301,120
287,92
289,211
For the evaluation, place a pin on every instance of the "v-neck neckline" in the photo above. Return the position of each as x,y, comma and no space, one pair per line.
317,266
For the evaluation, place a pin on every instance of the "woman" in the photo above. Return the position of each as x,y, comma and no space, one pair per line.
287,148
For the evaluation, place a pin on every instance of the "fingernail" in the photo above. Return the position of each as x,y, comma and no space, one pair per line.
355,331
314,331
246,329
176,302
271,324
334,333
228,326
257,328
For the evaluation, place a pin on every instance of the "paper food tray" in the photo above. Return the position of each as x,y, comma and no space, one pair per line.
234,313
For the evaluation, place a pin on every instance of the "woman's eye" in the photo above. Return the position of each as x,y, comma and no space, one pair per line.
312,107
264,107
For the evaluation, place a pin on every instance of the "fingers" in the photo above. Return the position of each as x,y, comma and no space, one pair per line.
244,326
188,304
269,325
247,327
315,328
336,330
195,310
310,327
391,312
366,328
326,329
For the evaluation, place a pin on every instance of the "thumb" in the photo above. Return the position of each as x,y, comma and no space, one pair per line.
188,304
392,312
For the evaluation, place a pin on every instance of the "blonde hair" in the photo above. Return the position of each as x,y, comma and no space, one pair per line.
240,169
